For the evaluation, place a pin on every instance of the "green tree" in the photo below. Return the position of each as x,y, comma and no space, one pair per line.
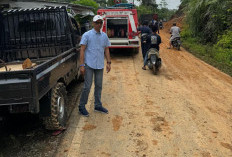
208,19
111,2
151,3
163,4
163,12
147,7
87,3
90,3
207,31
102,3
142,9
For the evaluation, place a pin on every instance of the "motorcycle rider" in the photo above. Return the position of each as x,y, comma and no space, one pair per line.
154,23
175,32
154,40
145,31
161,24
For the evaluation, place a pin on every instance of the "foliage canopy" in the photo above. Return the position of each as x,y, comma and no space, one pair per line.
208,19
208,31
91,3
150,7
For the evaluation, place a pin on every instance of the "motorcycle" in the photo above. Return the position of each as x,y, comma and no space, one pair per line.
154,62
176,43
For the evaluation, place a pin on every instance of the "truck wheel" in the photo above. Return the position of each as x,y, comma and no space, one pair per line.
136,50
58,117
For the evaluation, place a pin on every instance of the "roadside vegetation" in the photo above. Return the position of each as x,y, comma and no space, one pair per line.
207,31
146,6
151,7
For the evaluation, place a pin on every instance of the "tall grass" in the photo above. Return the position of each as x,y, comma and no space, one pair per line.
218,55
208,19
208,31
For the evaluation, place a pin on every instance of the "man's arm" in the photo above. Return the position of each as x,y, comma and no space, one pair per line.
107,54
139,30
82,54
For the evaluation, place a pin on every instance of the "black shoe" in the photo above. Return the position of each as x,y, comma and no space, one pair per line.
101,109
84,112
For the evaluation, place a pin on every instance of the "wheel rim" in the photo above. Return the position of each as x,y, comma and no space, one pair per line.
60,104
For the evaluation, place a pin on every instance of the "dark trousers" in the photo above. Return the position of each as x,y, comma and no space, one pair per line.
145,48
98,77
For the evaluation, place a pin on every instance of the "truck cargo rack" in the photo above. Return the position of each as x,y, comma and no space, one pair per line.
34,33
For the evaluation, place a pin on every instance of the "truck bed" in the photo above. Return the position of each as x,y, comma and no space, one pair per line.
27,87
15,67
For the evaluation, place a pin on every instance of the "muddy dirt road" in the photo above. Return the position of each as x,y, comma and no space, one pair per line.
186,110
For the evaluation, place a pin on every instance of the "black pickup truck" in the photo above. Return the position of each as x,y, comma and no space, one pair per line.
49,37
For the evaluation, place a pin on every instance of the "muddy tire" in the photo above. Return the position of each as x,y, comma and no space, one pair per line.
178,47
58,117
155,70
136,50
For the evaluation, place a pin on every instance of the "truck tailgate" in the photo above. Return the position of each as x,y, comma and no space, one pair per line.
15,87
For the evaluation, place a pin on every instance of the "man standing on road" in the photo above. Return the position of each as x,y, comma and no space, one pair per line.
145,32
94,44
175,31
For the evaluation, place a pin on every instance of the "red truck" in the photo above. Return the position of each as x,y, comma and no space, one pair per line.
120,24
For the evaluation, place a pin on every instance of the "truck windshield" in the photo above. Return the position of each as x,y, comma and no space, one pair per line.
117,28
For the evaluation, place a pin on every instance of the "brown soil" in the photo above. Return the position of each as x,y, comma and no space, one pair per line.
117,121
178,20
89,127
185,110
